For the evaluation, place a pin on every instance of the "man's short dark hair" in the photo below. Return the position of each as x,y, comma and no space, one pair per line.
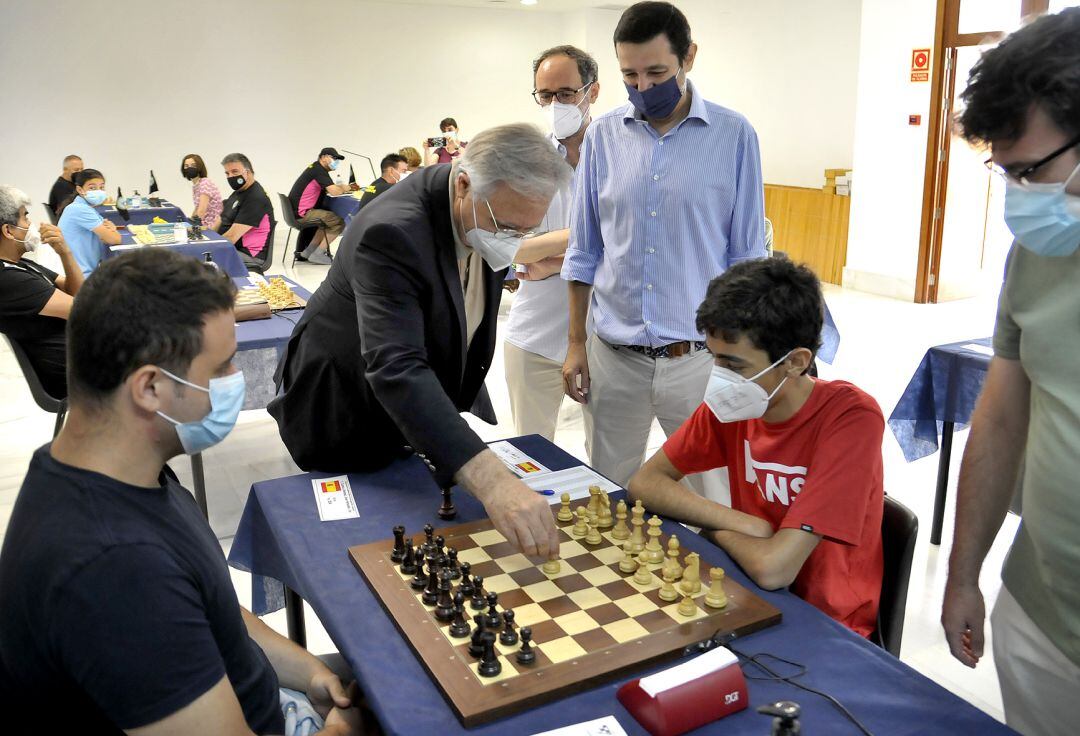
642,22
79,178
586,64
146,307
200,165
391,160
71,157
1037,65
447,123
777,304
238,158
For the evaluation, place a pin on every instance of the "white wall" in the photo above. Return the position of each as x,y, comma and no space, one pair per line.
886,200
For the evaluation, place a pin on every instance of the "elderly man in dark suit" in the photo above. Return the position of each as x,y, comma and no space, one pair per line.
397,341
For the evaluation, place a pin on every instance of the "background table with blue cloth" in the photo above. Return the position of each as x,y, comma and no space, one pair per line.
940,396
142,215
281,540
260,344
344,206
222,252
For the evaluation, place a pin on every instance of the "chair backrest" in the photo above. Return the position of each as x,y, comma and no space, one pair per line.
41,397
899,529
53,218
287,213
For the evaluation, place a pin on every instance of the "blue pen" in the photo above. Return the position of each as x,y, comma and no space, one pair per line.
546,492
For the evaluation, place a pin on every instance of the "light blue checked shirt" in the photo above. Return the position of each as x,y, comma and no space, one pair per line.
655,218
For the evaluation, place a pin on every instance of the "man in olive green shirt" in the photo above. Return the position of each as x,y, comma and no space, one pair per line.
1023,99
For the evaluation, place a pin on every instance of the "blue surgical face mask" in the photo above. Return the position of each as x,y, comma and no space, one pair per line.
658,101
334,164
1044,218
226,400
95,197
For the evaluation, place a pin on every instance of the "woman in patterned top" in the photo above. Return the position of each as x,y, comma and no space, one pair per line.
204,193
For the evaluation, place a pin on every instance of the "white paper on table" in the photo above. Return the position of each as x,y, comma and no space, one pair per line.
575,481
606,726
334,498
984,349
681,674
519,463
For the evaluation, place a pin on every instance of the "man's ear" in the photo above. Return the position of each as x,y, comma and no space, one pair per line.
462,185
145,387
688,62
594,92
799,361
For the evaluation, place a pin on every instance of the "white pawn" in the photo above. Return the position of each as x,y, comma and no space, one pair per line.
628,563
716,597
672,561
643,576
581,528
592,534
565,514
621,530
667,590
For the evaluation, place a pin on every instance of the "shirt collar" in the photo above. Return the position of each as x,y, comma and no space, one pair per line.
558,144
697,108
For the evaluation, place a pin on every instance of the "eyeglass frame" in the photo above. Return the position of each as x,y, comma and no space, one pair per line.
1023,175
505,233
557,95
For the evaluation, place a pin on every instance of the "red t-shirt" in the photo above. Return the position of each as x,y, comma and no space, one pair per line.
820,471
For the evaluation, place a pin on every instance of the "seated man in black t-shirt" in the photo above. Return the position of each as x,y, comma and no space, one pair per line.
35,301
309,205
119,612
247,216
394,167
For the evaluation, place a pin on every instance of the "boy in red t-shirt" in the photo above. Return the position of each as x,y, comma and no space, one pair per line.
803,455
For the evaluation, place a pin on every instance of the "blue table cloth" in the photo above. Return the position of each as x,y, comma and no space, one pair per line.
142,215
346,206
943,389
222,252
280,536
260,344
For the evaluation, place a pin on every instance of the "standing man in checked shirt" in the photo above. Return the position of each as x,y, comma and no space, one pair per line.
668,195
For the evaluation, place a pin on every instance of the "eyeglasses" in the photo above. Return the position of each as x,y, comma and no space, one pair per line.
1024,174
505,233
565,96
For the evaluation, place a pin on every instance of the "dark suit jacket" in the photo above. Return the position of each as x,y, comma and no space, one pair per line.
379,359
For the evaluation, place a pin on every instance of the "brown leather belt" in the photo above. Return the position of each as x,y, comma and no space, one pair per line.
674,350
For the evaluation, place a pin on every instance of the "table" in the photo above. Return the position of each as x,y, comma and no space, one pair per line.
222,252
344,206
141,215
941,395
260,344
281,540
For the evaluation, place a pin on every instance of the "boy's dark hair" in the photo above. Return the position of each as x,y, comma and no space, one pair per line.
777,304
146,307
391,160
1037,65
79,178
642,22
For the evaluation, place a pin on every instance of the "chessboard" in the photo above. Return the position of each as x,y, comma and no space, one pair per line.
599,617
276,292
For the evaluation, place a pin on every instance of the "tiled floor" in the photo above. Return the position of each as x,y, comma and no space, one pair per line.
882,343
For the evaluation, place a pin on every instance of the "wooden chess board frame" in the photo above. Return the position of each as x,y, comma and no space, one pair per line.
593,657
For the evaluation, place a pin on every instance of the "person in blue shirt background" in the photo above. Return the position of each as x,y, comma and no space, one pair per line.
668,195
87,232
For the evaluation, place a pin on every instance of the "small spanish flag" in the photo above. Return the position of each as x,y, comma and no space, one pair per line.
331,487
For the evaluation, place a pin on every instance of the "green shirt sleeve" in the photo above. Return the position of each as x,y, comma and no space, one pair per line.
1006,331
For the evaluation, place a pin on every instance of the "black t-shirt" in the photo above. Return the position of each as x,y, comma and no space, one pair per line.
25,288
118,609
381,185
249,207
313,178
62,190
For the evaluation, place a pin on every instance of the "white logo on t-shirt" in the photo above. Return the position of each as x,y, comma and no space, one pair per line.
782,482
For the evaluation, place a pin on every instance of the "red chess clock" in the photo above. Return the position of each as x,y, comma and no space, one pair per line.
670,703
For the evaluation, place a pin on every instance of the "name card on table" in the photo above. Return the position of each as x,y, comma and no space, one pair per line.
607,726
334,498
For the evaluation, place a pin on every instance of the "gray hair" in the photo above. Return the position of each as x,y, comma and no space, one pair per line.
11,201
519,156
238,158
586,64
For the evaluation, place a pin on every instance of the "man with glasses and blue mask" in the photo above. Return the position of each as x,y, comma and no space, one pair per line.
397,340
668,196
803,455
308,200
1023,101
119,613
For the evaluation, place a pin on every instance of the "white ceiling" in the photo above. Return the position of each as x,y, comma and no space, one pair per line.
557,6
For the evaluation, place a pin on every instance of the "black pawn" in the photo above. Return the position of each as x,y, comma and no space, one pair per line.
440,543
509,635
444,605
476,645
431,592
494,620
420,579
466,586
526,655
399,544
429,538
408,562
452,564
459,627
489,662
477,603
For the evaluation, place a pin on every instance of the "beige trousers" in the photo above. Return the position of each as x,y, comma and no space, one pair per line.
536,391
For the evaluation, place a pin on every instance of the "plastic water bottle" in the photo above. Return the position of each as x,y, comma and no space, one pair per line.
180,232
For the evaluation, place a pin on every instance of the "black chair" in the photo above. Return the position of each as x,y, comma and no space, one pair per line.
289,217
899,529
261,263
53,217
44,400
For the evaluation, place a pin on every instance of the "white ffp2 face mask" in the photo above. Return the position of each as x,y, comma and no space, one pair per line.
496,250
33,237
563,120
733,398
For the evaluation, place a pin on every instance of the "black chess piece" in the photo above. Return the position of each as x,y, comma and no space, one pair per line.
489,658
420,579
440,545
478,603
447,510
452,563
459,627
526,655
476,644
408,562
399,544
466,586
444,605
431,592
509,635
494,620
429,538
